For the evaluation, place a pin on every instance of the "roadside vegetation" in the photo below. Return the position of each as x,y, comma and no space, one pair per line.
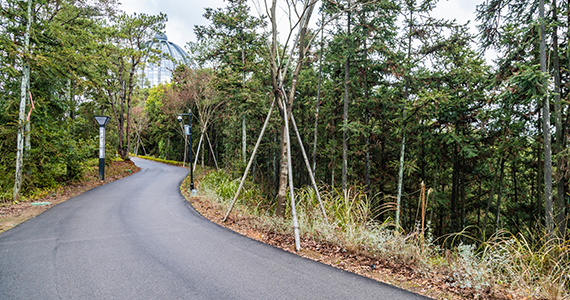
40,199
425,152
507,265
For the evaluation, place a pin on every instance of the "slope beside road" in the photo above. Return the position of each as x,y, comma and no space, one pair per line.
137,238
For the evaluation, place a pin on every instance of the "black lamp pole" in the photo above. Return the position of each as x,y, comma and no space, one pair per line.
189,134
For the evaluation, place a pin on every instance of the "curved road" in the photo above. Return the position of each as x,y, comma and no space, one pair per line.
137,238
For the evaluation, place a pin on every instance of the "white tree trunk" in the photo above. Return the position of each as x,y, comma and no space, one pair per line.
22,110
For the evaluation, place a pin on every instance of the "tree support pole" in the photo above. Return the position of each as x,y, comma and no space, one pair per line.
291,189
250,161
213,154
309,168
198,151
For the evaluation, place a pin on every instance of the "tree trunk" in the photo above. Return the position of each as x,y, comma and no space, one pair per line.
366,117
404,115
498,210
549,211
561,205
243,139
463,195
283,169
345,110
491,196
22,108
318,99
278,73
540,176
516,196
454,188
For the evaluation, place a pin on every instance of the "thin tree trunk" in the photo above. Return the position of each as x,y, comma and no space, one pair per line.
491,196
500,187
22,109
333,162
404,115
401,171
243,128
540,176
283,176
367,117
516,196
549,211
243,139
318,99
463,195
561,205
454,188
345,110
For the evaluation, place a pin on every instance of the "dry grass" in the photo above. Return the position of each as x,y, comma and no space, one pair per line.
507,266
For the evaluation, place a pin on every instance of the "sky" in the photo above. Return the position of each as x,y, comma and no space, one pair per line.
183,15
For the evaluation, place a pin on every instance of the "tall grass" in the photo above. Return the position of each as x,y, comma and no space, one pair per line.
528,265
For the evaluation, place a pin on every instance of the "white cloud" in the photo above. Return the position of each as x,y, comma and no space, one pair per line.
182,15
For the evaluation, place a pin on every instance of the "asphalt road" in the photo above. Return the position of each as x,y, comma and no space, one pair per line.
137,238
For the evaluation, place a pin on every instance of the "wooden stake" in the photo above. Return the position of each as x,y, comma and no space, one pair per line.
309,168
198,151
250,161
213,154
291,189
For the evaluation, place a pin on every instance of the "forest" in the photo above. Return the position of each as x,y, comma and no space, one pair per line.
390,103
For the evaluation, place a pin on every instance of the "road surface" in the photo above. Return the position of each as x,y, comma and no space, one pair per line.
137,238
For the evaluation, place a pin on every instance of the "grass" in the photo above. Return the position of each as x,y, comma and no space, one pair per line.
165,161
529,265
90,173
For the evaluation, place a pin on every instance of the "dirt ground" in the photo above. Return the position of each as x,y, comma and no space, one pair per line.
14,214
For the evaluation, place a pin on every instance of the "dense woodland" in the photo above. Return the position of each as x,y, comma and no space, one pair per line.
385,98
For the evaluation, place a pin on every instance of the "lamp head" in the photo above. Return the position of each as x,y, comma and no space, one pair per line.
179,118
102,120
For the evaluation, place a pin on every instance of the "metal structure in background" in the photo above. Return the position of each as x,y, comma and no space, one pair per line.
188,132
102,121
157,72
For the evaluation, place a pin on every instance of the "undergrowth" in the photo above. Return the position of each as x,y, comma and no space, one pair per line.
89,172
165,161
535,267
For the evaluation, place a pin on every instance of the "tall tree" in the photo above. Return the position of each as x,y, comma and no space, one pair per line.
124,53
22,111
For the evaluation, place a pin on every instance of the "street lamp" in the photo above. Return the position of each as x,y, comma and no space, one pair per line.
102,121
188,132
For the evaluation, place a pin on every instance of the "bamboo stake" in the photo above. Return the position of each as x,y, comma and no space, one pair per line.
291,189
309,168
198,151
250,161
213,154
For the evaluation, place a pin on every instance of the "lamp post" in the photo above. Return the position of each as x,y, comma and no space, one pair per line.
188,132
102,121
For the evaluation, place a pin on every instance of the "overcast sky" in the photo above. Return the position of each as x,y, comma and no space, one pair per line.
183,15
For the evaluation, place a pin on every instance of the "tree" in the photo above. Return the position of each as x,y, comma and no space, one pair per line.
125,49
234,55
